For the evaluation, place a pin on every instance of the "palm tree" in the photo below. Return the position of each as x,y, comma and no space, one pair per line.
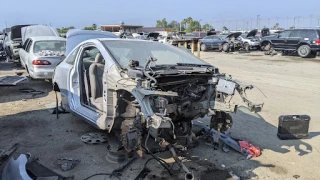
94,26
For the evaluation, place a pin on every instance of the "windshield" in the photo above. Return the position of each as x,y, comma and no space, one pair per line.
124,51
56,46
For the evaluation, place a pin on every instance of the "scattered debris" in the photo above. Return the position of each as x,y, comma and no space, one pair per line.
271,52
244,147
94,138
31,91
19,73
296,176
66,164
38,171
142,175
11,80
4,155
293,126
223,166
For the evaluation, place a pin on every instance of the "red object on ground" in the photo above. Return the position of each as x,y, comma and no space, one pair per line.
253,150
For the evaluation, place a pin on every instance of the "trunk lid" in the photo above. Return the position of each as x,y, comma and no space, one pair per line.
16,32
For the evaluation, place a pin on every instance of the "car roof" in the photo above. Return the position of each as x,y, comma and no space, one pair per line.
43,38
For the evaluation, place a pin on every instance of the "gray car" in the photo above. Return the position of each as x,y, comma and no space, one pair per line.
40,55
138,88
249,40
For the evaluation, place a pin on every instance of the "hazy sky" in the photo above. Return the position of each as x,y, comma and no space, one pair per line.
80,13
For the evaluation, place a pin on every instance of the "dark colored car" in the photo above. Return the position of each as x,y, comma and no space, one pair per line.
212,42
306,42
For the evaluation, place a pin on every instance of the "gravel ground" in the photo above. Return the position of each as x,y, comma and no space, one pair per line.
291,85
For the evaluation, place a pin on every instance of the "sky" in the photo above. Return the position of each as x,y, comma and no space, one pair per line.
234,14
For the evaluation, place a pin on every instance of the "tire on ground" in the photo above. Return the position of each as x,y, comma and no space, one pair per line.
304,51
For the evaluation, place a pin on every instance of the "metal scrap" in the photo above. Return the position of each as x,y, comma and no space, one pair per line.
66,164
11,80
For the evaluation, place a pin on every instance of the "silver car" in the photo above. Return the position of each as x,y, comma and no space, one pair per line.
40,55
138,88
249,40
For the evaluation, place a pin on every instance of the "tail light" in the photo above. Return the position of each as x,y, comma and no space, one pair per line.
318,42
41,62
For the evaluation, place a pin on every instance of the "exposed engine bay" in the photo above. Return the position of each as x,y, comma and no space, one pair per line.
161,102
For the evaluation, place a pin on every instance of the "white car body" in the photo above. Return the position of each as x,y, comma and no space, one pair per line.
30,52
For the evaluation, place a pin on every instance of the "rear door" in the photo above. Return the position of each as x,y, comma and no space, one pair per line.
22,52
280,42
293,40
26,55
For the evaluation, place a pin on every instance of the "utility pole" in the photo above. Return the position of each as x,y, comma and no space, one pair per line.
311,17
200,27
299,20
258,21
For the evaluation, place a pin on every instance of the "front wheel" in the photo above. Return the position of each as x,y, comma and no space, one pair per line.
203,47
304,51
246,46
225,47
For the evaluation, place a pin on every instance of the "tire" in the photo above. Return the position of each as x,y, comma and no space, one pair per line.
225,47
246,46
203,47
304,51
266,46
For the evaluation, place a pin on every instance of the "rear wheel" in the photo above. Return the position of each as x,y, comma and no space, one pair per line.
304,51
203,47
225,47
266,46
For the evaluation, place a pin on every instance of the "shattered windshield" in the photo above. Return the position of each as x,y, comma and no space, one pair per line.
55,46
124,51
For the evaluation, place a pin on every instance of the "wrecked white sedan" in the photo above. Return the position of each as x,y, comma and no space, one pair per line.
143,88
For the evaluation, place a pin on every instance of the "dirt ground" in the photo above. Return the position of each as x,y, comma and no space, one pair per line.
291,86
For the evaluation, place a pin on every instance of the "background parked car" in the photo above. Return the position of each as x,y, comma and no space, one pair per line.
232,42
6,44
37,30
13,41
40,55
212,42
249,40
306,42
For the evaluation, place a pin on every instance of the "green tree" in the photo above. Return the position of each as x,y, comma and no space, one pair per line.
193,26
173,24
64,30
224,28
94,26
207,27
88,28
162,23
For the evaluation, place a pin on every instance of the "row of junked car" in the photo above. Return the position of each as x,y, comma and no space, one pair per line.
304,42
135,88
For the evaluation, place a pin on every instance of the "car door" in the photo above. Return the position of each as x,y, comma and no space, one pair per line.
207,41
216,42
22,52
293,40
281,40
75,83
27,60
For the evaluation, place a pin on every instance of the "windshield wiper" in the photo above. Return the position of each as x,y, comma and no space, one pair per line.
194,65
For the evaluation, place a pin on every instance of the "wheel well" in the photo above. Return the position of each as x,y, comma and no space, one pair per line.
56,87
303,43
265,42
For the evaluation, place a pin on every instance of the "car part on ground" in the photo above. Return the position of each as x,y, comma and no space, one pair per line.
16,169
31,91
5,154
66,164
244,147
11,80
38,171
188,174
94,138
